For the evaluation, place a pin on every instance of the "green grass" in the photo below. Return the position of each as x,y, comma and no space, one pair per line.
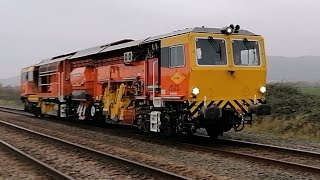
295,113
11,103
296,128
311,90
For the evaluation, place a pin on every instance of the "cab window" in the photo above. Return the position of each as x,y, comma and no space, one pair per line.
246,53
211,52
24,77
176,56
30,76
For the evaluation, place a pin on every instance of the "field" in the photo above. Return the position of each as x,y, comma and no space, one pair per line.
11,103
311,90
295,113
9,96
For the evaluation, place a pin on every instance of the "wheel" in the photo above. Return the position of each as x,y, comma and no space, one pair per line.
100,120
26,106
143,125
213,133
37,112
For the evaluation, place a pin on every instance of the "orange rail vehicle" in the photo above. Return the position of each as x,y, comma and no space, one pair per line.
174,83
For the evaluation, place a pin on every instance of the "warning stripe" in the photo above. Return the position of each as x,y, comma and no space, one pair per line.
221,105
192,105
211,103
245,103
227,105
242,104
195,111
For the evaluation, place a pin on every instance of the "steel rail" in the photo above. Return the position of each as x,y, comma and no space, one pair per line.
239,143
51,170
15,111
247,156
123,161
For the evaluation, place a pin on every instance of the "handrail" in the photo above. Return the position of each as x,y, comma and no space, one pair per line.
153,79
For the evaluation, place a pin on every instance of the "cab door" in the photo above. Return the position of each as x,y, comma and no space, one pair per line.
211,71
175,67
249,66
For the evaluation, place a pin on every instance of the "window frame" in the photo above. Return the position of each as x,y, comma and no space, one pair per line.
226,52
184,57
260,65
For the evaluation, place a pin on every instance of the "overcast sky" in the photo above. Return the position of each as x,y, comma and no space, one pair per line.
31,30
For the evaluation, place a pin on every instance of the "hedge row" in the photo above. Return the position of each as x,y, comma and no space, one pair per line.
288,101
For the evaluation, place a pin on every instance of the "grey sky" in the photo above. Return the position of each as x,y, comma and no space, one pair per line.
31,30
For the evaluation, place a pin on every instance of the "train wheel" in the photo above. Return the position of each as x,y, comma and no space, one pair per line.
26,106
143,125
37,112
212,132
100,120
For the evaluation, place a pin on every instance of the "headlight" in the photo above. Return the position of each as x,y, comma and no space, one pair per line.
229,30
263,89
195,91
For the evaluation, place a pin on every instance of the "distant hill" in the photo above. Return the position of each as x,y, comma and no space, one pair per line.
13,81
288,69
293,69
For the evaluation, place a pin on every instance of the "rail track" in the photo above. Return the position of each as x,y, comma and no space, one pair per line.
233,148
227,148
15,111
150,170
56,174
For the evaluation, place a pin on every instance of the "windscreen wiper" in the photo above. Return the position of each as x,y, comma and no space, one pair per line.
216,46
249,45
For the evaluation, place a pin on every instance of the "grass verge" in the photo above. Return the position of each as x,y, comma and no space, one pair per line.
11,103
311,90
297,128
295,114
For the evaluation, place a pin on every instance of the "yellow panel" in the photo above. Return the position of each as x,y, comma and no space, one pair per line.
49,108
227,82
175,40
33,98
